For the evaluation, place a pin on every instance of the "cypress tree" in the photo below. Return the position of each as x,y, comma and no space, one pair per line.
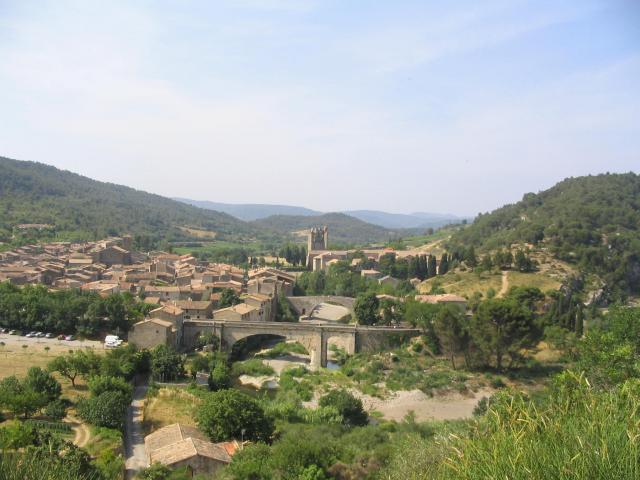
444,264
579,322
431,266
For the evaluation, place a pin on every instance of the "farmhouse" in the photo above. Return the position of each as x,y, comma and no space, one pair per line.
179,445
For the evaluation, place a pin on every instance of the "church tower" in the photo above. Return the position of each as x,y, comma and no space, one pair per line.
318,239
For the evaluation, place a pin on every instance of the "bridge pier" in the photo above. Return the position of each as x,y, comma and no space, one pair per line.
318,351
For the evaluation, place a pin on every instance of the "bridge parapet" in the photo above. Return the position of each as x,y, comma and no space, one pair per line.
315,338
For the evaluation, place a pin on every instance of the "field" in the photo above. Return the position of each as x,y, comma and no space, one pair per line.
464,283
218,246
169,406
467,283
198,233
18,354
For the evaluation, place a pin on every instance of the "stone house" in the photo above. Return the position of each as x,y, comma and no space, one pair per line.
241,312
195,309
152,332
179,446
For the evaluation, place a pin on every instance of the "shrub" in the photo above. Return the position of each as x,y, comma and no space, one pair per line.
220,377
348,406
106,410
56,410
101,383
224,415
253,367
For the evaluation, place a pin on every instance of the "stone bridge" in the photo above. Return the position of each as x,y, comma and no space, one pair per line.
315,338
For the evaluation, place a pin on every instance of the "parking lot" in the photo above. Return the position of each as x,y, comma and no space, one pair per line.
17,341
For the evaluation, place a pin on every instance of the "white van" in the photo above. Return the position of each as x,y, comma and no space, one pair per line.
112,341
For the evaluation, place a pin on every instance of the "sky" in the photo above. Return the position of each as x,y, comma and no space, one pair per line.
402,106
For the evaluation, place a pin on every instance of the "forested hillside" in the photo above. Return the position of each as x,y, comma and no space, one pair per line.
592,222
81,208
343,229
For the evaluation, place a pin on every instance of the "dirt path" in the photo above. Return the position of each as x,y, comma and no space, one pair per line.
505,284
82,432
134,436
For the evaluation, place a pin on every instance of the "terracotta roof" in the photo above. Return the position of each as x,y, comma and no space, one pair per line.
192,305
170,309
157,321
175,443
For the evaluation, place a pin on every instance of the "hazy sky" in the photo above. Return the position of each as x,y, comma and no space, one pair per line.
331,104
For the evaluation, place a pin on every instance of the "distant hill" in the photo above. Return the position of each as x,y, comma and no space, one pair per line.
592,222
343,229
250,211
82,208
401,220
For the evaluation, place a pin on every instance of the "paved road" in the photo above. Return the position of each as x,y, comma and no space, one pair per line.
134,436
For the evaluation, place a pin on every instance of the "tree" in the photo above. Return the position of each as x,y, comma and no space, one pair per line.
166,363
347,405
422,316
228,414
610,354
451,328
444,264
523,262
220,376
74,364
20,400
486,263
102,383
56,410
503,327
366,308
41,381
579,322
432,268
228,298
106,410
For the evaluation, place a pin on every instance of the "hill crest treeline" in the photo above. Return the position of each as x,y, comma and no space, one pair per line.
592,222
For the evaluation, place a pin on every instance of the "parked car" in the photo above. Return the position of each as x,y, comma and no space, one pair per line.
13,332
69,338
49,335
39,334
4,330
30,335
62,336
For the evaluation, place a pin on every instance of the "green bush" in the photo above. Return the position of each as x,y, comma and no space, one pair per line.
101,383
56,409
106,410
348,406
253,367
224,414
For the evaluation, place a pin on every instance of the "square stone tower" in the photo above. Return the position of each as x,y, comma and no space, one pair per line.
318,239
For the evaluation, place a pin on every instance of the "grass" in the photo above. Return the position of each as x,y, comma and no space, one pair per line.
253,367
282,349
104,439
17,361
467,283
464,284
574,431
170,405
543,281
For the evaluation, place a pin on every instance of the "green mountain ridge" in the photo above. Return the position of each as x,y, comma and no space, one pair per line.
83,209
343,229
592,222
80,208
